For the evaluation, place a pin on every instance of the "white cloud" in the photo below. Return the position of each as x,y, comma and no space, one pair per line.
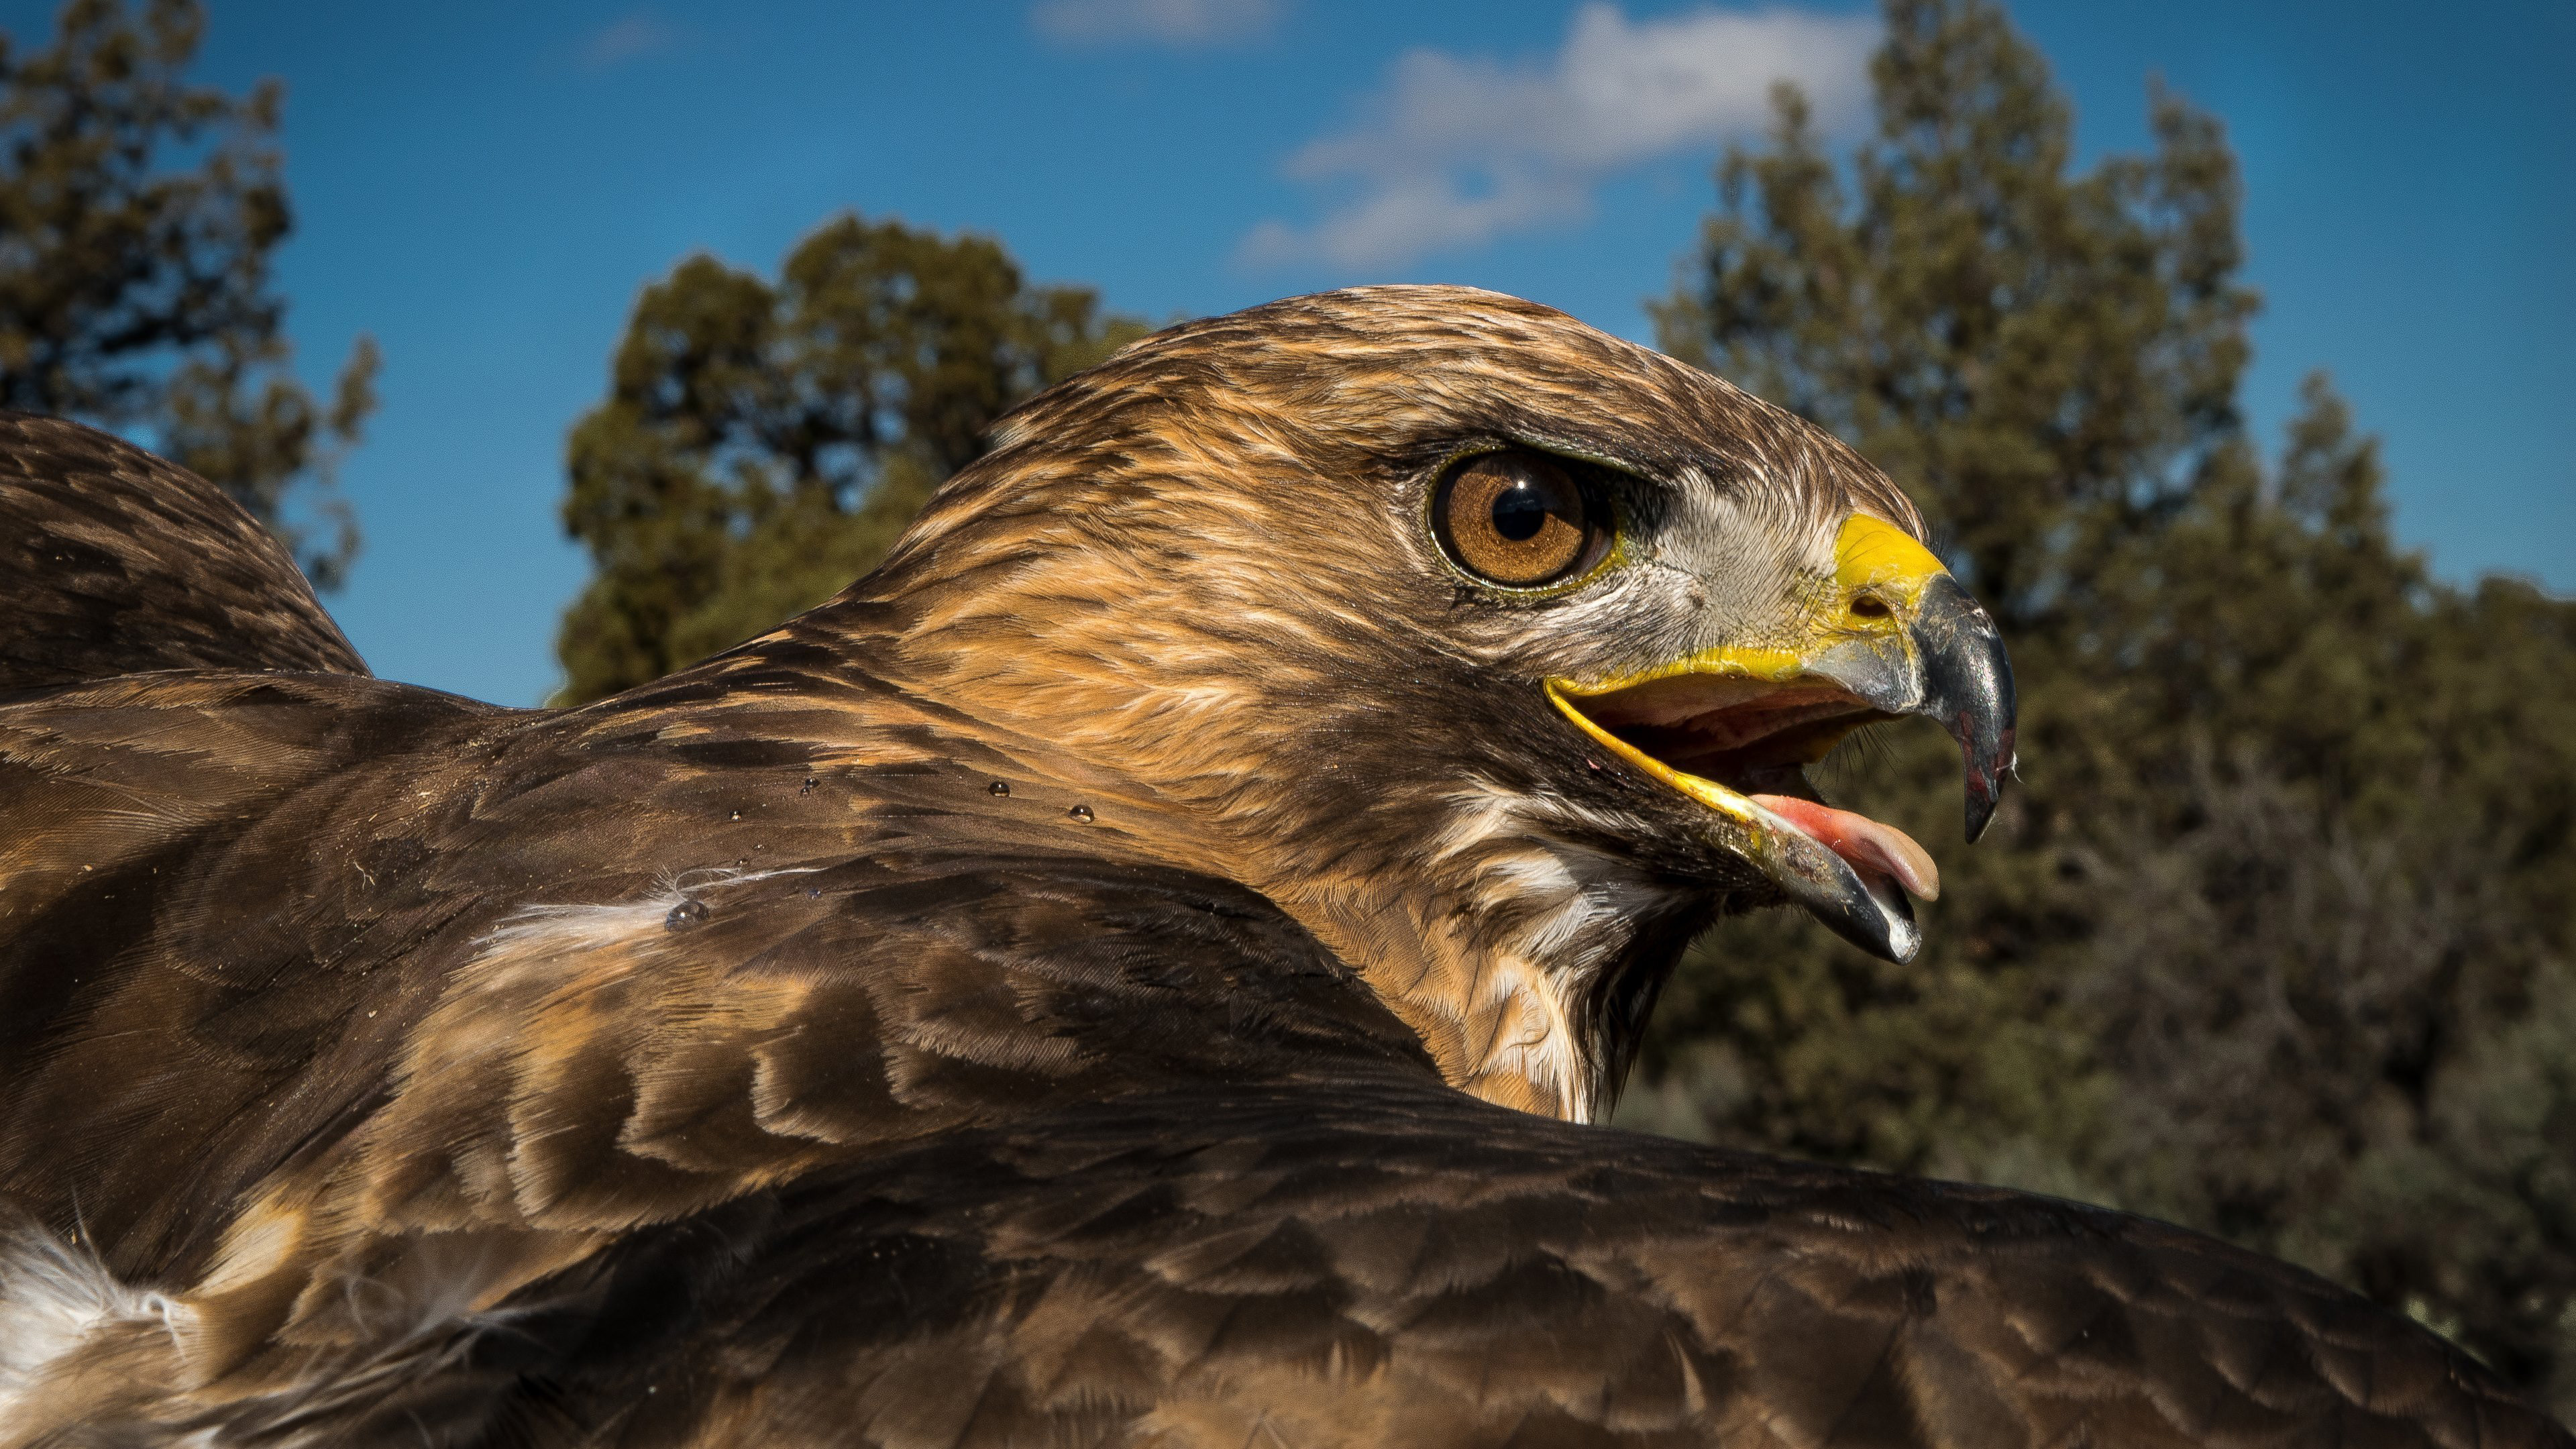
1170,22
629,37
1457,150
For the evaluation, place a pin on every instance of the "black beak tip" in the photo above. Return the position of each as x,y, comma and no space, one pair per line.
1981,812
1986,785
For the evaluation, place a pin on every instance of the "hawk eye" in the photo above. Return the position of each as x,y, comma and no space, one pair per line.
1517,519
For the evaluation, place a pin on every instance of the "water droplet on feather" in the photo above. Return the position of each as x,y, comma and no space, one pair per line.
1000,787
684,915
1081,814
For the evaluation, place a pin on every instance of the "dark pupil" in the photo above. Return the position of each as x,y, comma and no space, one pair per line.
1519,513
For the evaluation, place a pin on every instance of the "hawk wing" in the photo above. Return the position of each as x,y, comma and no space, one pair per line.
1386,1263
144,566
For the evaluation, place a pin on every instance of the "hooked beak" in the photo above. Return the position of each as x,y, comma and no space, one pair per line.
1733,728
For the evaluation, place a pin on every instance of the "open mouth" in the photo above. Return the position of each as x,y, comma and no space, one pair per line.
1734,727
1741,747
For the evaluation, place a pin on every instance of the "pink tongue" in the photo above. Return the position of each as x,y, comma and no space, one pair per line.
1868,845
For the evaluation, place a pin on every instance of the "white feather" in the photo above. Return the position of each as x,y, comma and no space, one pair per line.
55,1296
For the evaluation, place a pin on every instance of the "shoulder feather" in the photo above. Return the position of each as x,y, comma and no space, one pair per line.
118,563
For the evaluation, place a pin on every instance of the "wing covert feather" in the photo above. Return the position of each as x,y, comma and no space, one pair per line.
1401,1265
120,563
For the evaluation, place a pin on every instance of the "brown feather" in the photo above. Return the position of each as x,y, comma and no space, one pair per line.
142,566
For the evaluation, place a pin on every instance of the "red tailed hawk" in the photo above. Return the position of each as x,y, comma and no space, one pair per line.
1138,969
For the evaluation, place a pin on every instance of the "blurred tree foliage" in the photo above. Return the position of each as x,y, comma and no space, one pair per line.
2276,940
138,217
761,445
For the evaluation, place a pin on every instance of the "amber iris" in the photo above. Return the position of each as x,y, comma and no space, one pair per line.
1517,519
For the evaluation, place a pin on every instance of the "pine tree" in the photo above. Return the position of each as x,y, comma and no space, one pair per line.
762,444
140,216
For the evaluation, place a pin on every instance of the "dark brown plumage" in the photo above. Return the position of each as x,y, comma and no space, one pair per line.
728,1063
117,562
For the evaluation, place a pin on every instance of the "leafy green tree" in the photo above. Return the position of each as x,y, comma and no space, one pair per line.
2276,940
762,444
138,217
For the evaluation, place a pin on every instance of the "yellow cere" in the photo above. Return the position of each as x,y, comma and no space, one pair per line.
1872,553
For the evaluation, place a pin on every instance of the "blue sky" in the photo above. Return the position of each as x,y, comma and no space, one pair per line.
484,187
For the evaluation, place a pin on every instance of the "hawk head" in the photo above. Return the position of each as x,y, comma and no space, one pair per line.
1491,647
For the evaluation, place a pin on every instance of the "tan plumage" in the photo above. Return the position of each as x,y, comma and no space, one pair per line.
729,1063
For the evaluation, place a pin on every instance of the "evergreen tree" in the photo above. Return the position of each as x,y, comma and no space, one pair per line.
138,216
762,445
2276,940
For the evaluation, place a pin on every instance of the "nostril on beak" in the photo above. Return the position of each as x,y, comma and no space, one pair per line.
1870,606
